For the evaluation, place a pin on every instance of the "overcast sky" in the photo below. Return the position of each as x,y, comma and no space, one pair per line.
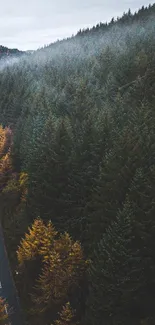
29,24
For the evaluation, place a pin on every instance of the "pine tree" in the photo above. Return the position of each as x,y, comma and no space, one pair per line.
111,186
141,196
115,273
48,193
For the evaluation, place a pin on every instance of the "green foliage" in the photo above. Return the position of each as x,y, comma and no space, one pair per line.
5,52
116,275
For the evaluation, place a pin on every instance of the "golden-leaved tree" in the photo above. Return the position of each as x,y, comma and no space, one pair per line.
3,315
51,266
5,160
66,316
13,191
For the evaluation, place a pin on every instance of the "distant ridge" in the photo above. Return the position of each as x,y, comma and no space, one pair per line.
6,52
140,16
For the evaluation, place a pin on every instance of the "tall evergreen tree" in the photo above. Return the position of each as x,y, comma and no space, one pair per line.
116,272
48,193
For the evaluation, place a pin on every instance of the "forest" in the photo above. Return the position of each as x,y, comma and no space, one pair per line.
5,52
77,175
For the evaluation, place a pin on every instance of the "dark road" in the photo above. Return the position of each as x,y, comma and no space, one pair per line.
7,286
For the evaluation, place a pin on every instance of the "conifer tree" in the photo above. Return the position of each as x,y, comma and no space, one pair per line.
48,193
116,272
111,186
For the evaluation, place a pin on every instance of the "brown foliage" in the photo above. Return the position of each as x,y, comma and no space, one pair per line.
66,317
3,312
62,267
5,160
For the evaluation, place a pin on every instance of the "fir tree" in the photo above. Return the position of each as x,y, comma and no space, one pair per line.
48,193
115,273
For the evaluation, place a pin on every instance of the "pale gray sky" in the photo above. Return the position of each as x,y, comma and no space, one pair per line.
29,24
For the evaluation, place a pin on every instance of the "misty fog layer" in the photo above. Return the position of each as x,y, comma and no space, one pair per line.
68,58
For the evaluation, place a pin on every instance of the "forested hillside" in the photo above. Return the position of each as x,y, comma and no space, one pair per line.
5,52
77,175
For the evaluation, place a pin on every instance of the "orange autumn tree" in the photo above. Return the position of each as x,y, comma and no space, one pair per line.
59,261
5,160
13,191
6,170
29,258
3,315
66,316
5,140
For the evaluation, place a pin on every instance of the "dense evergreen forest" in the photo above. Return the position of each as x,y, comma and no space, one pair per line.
5,52
77,175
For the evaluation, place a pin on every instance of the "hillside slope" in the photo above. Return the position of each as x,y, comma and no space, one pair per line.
6,52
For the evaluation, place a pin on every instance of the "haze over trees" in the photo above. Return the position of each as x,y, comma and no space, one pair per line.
77,175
